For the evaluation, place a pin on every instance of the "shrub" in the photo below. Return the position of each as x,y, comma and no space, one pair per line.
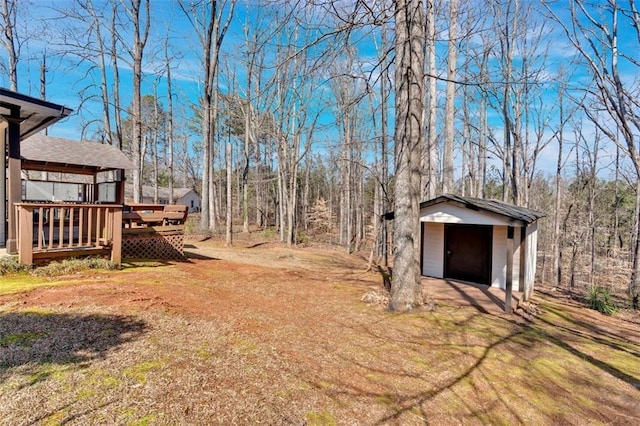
73,265
11,265
600,299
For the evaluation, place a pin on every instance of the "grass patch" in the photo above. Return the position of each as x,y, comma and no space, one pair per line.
323,418
18,278
21,282
139,372
22,339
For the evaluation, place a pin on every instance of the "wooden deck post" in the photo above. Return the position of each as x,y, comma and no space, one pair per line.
509,283
14,183
25,249
116,242
3,178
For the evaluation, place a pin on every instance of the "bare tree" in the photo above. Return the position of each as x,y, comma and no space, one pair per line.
138,12
210,25
429,155
449,121
596,41
406,290
10,40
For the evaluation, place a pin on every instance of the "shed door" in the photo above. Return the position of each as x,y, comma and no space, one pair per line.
467,252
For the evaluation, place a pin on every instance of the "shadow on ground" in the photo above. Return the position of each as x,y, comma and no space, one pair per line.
44,338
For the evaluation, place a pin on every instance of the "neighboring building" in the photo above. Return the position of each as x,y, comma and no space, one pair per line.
185,196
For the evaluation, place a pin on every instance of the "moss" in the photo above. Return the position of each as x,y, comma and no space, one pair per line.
55,419
139,372
102,379
323,418
22,339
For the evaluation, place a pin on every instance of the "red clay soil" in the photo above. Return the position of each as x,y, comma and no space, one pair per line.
269,334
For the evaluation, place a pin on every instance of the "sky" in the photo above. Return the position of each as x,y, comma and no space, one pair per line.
68,76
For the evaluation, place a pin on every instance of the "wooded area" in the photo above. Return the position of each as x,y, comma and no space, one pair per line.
280,113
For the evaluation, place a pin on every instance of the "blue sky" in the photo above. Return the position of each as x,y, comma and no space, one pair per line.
67,76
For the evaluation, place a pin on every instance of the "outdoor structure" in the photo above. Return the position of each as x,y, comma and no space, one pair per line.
480,241
21,116
72,197
181,196
64,198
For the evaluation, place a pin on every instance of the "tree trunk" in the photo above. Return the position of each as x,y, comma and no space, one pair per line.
406,290
447,167
229,228
140,39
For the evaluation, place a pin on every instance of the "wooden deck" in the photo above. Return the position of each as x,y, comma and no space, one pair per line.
47,231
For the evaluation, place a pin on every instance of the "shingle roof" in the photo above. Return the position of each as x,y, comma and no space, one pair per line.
500,208
493,206
64,151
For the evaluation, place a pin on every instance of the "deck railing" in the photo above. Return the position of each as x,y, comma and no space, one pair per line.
66,229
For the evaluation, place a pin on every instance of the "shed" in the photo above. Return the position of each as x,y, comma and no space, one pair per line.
480,241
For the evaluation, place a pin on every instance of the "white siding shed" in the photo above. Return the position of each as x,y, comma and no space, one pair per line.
470,239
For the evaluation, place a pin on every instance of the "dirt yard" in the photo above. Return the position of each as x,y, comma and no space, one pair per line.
264,334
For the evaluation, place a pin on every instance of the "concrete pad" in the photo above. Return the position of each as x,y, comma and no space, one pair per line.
485,299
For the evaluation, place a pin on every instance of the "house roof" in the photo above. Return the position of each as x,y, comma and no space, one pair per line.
35,114
499,208
47,149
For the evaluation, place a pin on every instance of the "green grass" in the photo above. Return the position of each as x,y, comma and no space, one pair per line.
22,282
22,339
18,278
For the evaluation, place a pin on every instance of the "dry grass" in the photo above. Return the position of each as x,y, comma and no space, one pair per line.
271,335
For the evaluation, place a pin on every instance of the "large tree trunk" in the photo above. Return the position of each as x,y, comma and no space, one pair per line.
406,290
141,32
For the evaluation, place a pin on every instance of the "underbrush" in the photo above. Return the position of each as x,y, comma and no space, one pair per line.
600,299
11,265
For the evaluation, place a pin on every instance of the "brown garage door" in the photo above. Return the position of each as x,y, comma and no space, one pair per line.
467,252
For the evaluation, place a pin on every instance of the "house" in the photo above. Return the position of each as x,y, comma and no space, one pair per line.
21,116
184,196
64,198
479,241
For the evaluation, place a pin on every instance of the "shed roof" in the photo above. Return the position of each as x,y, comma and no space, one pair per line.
499,208
47,149
493,206
35,114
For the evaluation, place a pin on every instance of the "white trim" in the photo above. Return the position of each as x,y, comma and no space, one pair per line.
448,213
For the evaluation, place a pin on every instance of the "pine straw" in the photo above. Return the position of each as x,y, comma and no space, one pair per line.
280,336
